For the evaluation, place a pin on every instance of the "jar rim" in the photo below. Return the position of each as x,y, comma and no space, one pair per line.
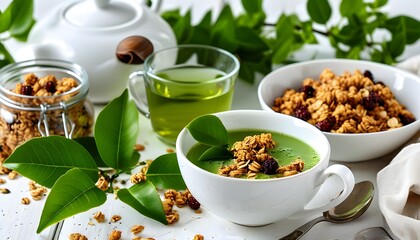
19,69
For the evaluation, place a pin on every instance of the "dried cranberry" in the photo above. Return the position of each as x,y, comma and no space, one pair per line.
327,124
270,166
308,90
405,120
193,203
371,101
26,90
50,86
302,112
368,74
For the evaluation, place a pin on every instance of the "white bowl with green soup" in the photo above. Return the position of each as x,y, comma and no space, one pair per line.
271,167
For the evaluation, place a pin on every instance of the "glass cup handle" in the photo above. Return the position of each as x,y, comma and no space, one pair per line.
137,90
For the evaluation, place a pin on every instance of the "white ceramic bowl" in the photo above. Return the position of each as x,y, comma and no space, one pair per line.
351,147
257,202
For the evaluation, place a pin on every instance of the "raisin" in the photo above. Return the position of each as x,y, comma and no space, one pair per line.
327,124
26,90
308,90
368,74
302,112
50,87
270,166
371,101
193,203
405,120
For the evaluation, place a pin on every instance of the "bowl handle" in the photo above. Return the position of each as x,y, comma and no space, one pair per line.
325,190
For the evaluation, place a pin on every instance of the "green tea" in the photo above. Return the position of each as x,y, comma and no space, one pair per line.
287,150
181,94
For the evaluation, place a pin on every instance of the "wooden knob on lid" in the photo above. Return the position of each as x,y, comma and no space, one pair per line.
134,49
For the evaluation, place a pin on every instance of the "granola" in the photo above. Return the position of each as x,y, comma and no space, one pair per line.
136,229
77,236
346,103
17,126
115,235
251,156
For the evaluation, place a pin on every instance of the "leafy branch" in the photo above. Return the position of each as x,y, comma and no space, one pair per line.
260,45
15,22
71,168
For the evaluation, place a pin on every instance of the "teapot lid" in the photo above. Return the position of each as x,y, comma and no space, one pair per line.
102,13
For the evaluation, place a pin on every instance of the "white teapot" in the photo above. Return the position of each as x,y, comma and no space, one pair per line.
109,38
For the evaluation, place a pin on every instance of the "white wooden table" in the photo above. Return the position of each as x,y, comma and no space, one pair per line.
18,221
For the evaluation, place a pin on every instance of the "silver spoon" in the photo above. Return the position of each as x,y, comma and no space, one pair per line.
351,208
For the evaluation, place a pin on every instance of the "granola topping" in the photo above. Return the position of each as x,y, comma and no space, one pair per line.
251,156
346,103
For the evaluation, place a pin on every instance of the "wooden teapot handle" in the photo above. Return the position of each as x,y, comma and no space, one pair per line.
134,49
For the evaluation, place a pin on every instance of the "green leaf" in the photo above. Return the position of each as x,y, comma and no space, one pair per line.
284,41
144,198
319,10
116,132
379,3
22,18
164,173
183,27
223,31
172,16
352,7
73,193
5,57
410,25
90,145
200,33
249,40
209,129
397,43
215,153
307,33
6,18
46,159
252,6
250,67
353,33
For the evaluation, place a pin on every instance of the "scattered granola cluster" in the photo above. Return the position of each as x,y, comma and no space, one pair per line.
347,103
171,197
10,175
77,236
18,126
251,156
37,191
115,234
180,199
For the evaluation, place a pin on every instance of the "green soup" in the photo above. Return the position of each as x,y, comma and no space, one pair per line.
287,150
188,93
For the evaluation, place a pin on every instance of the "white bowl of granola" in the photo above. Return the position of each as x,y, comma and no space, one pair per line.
244,190
365,109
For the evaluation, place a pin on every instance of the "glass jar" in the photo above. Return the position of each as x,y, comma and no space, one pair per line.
41,98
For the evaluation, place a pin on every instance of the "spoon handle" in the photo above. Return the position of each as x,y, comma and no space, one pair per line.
302,230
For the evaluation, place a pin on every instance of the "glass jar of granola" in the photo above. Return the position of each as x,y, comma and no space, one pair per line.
41,98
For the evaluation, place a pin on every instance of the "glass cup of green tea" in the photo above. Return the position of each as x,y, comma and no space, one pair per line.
181,83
